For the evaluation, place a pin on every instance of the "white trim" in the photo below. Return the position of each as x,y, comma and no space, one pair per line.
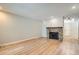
5,44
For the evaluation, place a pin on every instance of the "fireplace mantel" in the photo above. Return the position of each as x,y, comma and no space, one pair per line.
53,27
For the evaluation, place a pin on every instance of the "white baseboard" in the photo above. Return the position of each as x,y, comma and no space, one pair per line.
15,42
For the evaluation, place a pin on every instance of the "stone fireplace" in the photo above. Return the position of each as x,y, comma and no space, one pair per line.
55,33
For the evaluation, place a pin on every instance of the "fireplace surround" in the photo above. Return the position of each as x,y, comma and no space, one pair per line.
55,33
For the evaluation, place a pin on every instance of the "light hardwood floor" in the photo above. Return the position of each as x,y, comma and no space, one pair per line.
42,46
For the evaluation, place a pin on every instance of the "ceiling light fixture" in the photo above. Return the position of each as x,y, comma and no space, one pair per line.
73,7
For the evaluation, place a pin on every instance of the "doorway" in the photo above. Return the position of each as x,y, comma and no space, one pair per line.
70,29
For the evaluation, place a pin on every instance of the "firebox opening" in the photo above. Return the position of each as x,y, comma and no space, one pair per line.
53,35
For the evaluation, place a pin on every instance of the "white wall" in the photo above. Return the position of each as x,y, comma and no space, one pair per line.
78,28
53,22
14,28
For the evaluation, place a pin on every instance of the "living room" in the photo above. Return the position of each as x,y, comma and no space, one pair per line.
39,28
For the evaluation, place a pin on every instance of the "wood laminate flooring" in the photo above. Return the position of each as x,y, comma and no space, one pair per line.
42,46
